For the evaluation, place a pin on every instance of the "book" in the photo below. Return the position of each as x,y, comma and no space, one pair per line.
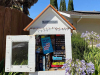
43,63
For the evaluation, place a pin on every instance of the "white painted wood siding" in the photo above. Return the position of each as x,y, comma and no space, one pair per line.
66,32
68,49
48,73
50,15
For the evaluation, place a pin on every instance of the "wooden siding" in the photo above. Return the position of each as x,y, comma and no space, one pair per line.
12,22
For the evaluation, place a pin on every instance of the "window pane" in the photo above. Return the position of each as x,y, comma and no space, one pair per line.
19,53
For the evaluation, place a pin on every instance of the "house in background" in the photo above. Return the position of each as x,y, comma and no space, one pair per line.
83,20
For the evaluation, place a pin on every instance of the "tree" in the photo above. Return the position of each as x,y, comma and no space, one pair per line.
70,5
54,3
18,4
62,5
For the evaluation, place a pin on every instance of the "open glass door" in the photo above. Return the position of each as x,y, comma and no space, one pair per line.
20,53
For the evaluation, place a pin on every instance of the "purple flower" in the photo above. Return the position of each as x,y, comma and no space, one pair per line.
79,66
71,34
98,45
92,32
67,69
88,71
90,68
80,69
98,36
83,73
82,61
64,65
90,64
82,35
77,60
86,31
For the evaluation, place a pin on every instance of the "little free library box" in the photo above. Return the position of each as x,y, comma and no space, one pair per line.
45,49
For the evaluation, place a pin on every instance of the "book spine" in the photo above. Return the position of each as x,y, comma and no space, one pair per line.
43,63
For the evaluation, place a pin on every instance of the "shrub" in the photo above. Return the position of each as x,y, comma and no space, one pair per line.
78,67
91,37
92,55
2,72
78,46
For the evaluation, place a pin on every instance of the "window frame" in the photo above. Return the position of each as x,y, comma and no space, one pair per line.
31,54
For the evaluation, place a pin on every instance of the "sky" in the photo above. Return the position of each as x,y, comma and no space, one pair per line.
79,5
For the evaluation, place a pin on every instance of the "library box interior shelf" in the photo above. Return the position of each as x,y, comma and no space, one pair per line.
44,51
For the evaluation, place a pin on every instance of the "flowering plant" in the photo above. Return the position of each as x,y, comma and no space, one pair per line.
98,45
90,37
78,67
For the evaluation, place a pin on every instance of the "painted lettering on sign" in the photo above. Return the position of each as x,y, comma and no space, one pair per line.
45,22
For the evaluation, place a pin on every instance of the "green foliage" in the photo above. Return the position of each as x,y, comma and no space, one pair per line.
17,7
78,46
1,65
24,62
70,5
62,5
93,56
25,3
2,72
54,3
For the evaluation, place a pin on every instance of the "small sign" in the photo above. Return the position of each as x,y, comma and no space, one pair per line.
51,22
46,45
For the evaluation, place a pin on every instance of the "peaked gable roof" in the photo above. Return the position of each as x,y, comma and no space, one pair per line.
25,29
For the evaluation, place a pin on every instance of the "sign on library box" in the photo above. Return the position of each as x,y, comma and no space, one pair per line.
46,45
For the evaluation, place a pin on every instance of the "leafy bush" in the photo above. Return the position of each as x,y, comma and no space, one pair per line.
2,65
91,37
78,67
2,72
78,46
92,55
